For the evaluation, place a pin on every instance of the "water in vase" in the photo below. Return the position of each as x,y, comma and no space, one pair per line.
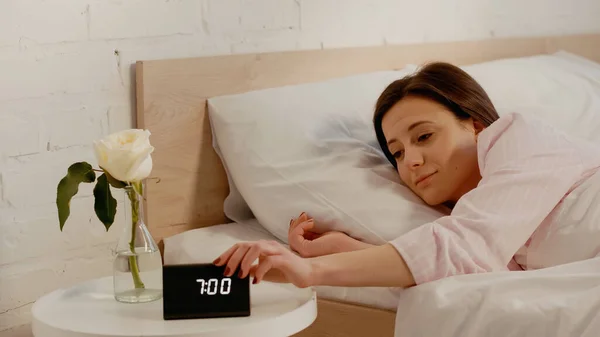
138,277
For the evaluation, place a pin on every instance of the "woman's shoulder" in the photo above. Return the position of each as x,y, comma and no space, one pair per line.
516,124
516,136
510,128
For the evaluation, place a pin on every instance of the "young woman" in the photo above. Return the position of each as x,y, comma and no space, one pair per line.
503,178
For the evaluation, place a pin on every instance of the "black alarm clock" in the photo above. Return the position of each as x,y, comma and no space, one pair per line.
202,291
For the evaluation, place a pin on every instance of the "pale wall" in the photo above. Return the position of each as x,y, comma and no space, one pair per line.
66,79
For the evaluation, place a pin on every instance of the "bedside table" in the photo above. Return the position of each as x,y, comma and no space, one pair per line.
89,309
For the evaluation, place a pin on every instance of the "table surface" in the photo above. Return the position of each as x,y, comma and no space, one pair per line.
89,309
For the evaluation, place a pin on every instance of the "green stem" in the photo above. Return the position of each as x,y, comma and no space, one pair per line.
135,207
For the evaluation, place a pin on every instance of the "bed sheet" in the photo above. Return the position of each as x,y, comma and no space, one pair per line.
559,301
203,245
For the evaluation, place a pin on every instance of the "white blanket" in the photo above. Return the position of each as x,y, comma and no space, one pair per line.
558,301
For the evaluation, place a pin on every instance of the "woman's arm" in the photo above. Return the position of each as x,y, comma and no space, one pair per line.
377,266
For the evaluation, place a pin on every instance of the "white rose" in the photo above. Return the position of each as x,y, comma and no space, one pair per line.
125,155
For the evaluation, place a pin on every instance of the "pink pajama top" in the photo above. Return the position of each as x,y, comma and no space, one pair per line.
527,168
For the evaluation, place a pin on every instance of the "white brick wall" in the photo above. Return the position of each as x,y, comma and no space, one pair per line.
143,18
66,79
40,70
42,21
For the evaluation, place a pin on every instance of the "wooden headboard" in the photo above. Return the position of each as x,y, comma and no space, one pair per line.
172,94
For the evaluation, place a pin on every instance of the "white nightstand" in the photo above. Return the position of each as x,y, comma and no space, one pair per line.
89,309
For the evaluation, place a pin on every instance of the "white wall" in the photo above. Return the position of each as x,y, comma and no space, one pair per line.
66,79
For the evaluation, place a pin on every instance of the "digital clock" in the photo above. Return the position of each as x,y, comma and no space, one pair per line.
202,291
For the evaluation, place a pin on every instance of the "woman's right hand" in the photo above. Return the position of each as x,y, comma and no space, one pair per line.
308,243
276,263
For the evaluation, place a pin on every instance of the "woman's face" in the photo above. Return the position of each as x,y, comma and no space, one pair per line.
436,154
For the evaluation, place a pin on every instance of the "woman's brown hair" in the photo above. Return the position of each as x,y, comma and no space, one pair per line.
444,83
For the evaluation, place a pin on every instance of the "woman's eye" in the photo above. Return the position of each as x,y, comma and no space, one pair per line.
424,137
398,154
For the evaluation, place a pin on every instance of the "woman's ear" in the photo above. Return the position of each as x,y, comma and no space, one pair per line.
478,127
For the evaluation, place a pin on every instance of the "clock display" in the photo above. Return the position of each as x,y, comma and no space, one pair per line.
202,291
215,286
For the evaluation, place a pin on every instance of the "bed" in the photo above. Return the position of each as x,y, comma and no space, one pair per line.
185,204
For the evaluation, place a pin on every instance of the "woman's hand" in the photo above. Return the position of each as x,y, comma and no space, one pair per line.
378,266
275,263
308,243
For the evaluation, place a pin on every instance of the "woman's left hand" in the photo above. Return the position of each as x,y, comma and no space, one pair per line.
307,243
276,263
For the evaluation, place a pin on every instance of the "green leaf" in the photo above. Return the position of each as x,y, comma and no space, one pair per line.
68,187
104,203
114,182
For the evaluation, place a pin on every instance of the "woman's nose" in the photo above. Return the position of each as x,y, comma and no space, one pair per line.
413,159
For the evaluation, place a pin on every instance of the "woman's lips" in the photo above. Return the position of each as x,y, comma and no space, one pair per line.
424,179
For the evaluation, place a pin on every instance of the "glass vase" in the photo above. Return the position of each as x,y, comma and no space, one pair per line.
137,268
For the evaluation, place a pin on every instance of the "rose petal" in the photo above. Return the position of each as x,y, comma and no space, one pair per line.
133,173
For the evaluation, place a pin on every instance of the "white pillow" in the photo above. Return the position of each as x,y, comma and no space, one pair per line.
562,88
311,147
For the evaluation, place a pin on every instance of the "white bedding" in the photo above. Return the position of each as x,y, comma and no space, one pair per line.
559,301
203,245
